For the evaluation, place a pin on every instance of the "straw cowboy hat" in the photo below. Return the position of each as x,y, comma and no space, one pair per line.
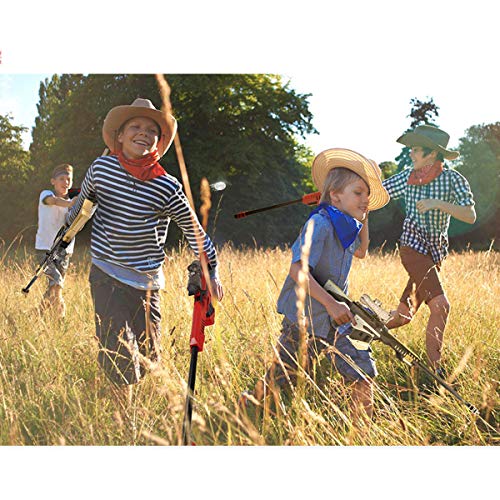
368,170
118,115
431,137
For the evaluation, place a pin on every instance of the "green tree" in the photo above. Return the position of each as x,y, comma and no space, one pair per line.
421,113
53,94
388,168
15,173
242,129
479,162
14,160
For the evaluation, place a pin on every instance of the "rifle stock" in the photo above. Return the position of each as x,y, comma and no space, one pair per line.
369,327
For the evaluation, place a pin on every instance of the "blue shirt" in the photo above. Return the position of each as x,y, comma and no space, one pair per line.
327,261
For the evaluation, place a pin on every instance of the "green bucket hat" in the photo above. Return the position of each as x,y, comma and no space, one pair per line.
429,136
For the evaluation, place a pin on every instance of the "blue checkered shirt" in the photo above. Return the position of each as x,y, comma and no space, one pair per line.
427,233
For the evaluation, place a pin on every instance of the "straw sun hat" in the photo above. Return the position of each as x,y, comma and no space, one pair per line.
368,170
118,115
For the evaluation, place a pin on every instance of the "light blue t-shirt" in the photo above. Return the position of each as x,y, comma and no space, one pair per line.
327,261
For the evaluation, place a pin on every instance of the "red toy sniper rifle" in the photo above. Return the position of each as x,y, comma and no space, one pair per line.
203,315
307,199
203,311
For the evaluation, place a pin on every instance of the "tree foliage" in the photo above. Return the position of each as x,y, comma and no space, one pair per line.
479,162
388,168
421,113
15,173
14,161
242,129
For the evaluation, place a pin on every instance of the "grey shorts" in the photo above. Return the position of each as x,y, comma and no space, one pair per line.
56,270
127,326
352,363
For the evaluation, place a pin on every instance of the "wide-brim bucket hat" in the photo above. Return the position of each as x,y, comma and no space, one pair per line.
118,115
431,137
367,169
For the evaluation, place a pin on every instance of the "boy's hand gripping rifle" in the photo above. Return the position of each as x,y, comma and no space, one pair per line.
203,315
369,327
63,239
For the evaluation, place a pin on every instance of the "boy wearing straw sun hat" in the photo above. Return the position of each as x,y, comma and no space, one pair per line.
433,193
351,186
136,200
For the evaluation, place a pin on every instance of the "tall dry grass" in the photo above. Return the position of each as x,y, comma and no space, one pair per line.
52,391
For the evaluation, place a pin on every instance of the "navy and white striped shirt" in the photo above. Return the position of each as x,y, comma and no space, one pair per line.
130,224
427,232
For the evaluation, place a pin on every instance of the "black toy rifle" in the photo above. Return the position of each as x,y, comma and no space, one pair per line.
369,327
63,239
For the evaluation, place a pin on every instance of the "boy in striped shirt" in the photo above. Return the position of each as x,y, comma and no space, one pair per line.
433,192
136,200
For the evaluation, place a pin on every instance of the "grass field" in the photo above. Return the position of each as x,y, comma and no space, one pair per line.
53,393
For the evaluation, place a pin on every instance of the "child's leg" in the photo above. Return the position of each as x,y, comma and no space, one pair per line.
115,306
147,326
282,375
423,285
439,308
357,368
53,297
362,400
401,316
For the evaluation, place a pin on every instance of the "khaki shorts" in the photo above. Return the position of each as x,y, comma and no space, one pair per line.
423,283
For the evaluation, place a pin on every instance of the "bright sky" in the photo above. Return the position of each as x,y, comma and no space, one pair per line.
361,61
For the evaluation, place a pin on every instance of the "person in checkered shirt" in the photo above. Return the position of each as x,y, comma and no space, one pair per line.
432,192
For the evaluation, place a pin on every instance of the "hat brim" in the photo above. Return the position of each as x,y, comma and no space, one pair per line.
367,169
118,115
413,139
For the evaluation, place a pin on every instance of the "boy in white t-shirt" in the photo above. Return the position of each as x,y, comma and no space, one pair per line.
52,209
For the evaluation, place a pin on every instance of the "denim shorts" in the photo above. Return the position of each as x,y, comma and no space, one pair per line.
127,326
352,363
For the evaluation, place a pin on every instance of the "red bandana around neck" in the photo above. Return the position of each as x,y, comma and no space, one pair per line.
425,175
145,168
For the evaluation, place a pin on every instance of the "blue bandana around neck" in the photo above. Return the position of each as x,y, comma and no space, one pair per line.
346,227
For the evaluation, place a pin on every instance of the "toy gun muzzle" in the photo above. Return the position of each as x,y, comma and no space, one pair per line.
307,199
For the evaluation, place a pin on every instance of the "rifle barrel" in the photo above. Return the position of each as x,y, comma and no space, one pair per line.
307,199
240,215
186,427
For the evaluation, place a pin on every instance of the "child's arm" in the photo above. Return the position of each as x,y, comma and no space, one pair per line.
183,215
362,250
58,202
338,311
465,213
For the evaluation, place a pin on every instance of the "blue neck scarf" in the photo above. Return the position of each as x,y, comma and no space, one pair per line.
346,227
